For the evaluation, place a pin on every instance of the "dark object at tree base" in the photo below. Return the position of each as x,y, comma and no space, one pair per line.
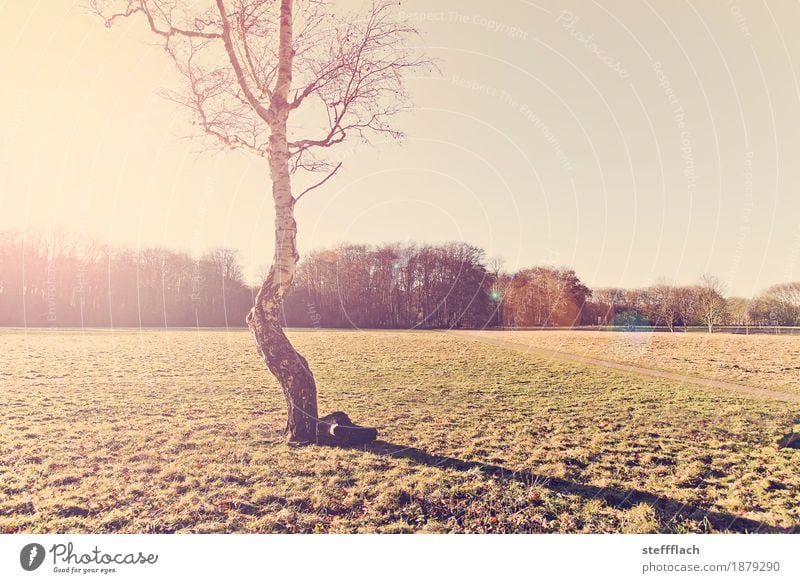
336,429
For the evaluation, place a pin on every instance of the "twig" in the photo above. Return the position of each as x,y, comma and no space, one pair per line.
320,183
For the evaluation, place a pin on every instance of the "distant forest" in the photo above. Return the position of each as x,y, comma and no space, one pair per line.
60,281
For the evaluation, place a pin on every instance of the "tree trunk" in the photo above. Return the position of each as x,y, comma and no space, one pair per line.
303,424
264,320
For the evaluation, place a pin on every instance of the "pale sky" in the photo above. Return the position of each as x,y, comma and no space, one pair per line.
630,140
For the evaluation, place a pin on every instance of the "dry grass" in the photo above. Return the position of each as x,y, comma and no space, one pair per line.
150,431
759,360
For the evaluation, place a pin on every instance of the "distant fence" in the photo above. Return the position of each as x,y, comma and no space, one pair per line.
786,330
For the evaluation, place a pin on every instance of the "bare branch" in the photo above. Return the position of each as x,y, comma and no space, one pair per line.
283,83
320,183
263,112
246,64
359,79
167,29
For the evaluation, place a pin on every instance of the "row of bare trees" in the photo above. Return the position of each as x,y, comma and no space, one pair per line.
779,305
66,281
392,286
59,280
703,304
661,304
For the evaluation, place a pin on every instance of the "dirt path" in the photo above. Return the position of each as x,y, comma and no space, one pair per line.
486,338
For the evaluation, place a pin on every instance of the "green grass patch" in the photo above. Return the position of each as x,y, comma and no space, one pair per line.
152,431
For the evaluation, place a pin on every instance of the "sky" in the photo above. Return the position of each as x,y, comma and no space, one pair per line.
631,140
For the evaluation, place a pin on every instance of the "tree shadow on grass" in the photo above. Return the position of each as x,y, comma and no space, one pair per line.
669,510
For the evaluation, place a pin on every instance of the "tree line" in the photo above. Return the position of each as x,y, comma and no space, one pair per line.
392,286
64,281
703,304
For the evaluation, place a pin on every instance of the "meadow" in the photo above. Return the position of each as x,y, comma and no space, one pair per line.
759,360
158,431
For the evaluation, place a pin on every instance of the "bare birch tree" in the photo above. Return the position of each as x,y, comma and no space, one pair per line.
687,298
250,67
739,312
710,302
664,303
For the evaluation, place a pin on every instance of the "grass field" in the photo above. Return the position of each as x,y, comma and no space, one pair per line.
153,431
767,361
